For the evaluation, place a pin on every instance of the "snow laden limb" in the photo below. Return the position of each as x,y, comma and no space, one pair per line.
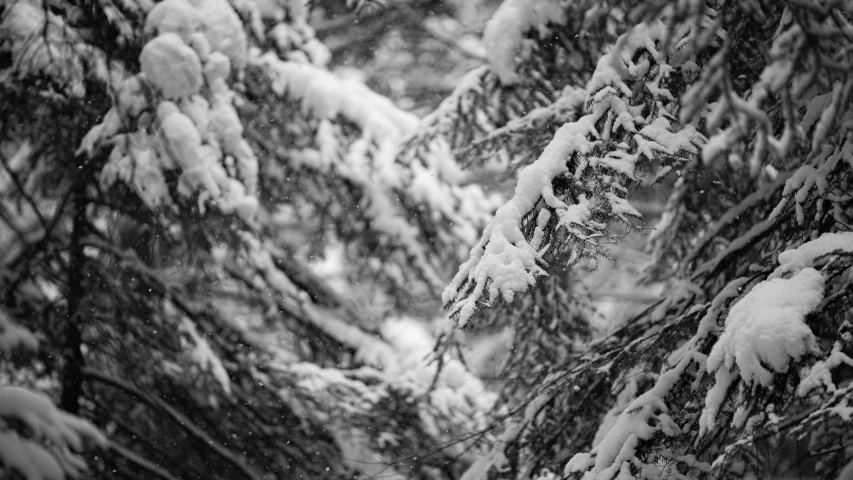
566,199
518,142
548,49
506,29
197,133
723,236
659,330
37,440
346,332
405,409
764,334
419,212
13,336
805,86
767,121
572,400
617,449
765,331
42,45
45,445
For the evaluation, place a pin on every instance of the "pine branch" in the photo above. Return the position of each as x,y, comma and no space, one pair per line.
141,462
178,418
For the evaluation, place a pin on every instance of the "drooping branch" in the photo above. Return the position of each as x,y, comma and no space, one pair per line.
141,462
177,417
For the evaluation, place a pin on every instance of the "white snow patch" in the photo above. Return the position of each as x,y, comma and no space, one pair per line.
641,419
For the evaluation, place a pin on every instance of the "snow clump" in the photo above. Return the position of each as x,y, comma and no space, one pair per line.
172,66
766,327
505,31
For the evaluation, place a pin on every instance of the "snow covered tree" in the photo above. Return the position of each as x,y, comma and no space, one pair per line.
743,110
230,258
221,255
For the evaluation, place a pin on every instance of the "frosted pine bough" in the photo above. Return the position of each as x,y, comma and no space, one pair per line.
758,149
504,259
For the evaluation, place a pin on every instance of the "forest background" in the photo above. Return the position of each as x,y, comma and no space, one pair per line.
426,239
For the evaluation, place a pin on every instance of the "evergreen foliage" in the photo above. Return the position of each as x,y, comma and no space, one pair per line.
222,260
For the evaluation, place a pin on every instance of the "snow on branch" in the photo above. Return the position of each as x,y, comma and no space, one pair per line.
326,96
23,451
520,140
803,74
764,333
419,207
505,31
536,56
567,197
771,346
14,336
258,259
37,440
196,132
42,45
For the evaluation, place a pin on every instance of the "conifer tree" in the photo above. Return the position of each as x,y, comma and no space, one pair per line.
225,256
192,206
742,110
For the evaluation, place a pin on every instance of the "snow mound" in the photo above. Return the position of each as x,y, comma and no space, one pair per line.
172,66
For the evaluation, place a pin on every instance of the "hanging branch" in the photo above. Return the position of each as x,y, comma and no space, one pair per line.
185,423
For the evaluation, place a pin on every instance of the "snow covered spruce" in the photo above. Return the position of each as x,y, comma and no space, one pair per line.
224,249
742,368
